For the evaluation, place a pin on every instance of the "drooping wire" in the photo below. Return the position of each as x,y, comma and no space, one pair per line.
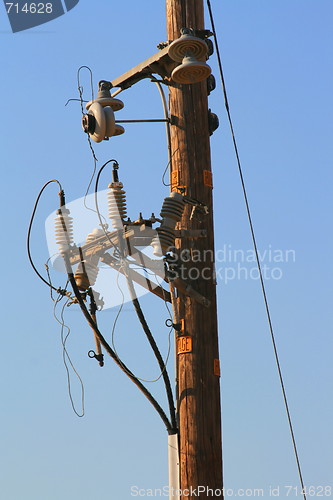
91,81
154,347
114,330
123,262
166,168
49,276
110,351
95,160
29,234
167,118
64,291
113,337
167,129
117,317
66,356
254,240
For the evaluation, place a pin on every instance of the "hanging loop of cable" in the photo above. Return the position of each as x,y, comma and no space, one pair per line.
110,351
29,234
254,240
108,348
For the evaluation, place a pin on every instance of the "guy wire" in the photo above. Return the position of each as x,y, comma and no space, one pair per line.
254,240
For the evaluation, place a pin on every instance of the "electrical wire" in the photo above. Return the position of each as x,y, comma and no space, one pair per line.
254,240
123,260
64,291
114,329
66,357
49,276
166,168
91,80
80,89
29,234
110,351
113,336
155,349
103,226
167,128
167,118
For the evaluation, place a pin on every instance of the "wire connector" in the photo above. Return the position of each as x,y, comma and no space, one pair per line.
98,357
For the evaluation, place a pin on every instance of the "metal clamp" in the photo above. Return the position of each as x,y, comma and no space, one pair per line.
98,357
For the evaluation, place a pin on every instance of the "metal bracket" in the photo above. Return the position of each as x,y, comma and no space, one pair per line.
188,290
191,233
138,278
159,63
153,120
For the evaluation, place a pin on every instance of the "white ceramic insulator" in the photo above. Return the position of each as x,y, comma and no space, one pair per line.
117,206
110,122
115,104
164,241
96,233
63,230
87,272
187,45
191,71
100,129
86,275
119,130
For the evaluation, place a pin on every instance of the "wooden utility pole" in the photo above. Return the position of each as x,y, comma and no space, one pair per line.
197,371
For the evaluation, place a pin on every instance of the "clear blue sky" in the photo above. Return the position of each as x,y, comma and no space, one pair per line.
277,60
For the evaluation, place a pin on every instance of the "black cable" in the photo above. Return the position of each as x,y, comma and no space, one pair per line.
114,327
140,316
110,351
155,349
29,233
254,240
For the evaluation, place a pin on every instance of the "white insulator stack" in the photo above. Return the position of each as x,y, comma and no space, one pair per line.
117,204
87,271
191,51
172,211
100,122
63,230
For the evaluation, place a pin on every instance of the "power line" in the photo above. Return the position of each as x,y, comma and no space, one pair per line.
110,351
155,349
149,381
254,240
